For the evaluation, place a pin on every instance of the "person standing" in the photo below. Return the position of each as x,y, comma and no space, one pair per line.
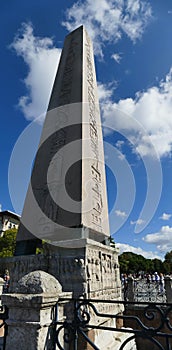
161,283
6,281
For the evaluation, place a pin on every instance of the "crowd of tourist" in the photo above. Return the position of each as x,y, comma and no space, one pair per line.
157,278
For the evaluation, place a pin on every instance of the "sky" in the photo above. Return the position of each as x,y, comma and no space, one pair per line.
133,58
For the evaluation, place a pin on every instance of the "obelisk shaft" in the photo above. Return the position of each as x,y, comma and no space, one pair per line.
67,199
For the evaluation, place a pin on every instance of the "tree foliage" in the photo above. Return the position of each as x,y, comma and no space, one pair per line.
168,262
134,263
7,243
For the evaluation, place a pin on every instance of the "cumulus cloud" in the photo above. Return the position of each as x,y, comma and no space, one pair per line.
151,109
146,119
120,213
105,91
117,57
162,239
136,250
165,216
107,20
0,207
41,58
119,145
138,222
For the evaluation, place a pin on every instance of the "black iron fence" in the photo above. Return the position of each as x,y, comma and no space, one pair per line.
151,292
140,290
151,322
142,325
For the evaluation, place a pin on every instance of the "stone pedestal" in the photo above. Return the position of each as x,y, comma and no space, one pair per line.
90,269
30,312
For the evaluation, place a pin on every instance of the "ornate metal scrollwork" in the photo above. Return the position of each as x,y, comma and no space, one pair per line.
153,326
148,292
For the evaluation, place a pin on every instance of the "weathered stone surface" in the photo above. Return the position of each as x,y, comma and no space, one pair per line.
66,205
30,312
67,197
113,340
37,282
90,269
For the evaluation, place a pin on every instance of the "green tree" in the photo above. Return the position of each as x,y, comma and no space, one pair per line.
158,265
167,264
149,266
7,243
168,257
134,263
124,263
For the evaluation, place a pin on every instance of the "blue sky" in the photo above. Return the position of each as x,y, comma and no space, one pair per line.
133,55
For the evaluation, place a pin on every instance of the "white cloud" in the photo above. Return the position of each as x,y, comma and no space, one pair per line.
107,20
121,156
0,207
119,145
146,119
138,222
162,239
117,57
105,91
165,216
137,250
41,58
121,214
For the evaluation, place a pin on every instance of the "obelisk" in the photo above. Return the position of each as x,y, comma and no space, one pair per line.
66,199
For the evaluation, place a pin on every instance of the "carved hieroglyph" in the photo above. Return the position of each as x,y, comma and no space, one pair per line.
92,151
67,198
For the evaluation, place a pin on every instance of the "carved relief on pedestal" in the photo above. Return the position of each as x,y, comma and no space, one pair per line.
103,273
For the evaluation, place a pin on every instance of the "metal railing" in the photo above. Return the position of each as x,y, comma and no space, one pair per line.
151,292
149,321
141,290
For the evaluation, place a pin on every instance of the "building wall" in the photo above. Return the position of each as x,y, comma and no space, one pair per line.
7,223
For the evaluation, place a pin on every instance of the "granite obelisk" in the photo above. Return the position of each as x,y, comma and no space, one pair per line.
66,205
66,199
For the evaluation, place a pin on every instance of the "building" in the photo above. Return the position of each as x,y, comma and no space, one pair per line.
8,220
